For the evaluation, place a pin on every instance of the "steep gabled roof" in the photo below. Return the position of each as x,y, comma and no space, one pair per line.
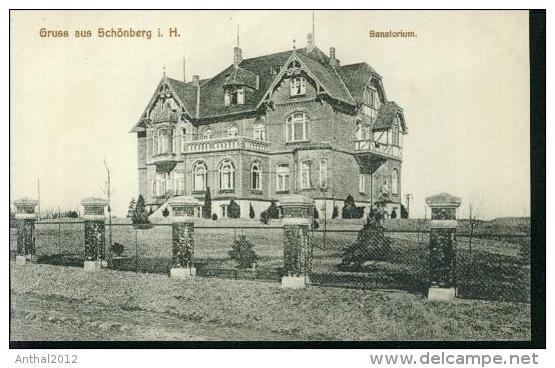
356,77
345,83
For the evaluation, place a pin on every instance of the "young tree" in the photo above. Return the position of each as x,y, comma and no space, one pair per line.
242,252
131,209
251,212
473,222
108,192
140,216
207,206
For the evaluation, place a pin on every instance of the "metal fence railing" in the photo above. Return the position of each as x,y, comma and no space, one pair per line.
488,266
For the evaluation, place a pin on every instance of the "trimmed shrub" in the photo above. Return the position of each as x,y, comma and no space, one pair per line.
233,210
335,212
207,206
166,212
350,210
214,217
140,217
404,212
242,252
264,217
251,211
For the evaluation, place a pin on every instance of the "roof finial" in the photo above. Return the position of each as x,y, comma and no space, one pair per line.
238,45
294,47
164,71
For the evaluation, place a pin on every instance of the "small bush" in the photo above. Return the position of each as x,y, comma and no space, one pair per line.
251,212
166,212
272,211
233,210
214,217
350,210
242,252
404,212
264,217
207,206
140,216
117,249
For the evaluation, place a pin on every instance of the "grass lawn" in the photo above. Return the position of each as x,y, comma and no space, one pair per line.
264,309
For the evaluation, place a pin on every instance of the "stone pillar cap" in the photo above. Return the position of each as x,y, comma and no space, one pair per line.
183,201
295,199
443,200
92,201
26,201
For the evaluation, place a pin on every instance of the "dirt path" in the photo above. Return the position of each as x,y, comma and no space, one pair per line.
35,317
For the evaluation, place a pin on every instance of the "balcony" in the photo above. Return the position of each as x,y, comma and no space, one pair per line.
370,147
227,144
164,158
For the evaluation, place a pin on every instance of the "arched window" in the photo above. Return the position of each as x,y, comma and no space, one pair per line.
232,131
297,86
259,130
395,182
200,176
296,127
207,133
179,183
227,175
256,176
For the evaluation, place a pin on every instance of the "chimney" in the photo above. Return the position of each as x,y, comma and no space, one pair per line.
237,55
195,80
333,61
309,42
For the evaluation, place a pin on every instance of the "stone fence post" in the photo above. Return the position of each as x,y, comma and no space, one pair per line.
183,230
95,233
296,224
443,245
26,216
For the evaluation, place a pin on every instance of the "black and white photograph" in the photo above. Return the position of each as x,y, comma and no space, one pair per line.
274,176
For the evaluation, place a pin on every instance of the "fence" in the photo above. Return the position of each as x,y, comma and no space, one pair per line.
494,267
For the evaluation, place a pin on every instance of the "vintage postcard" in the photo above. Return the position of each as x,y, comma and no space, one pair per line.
270,176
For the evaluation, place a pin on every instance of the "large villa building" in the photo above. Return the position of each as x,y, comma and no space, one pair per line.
291,122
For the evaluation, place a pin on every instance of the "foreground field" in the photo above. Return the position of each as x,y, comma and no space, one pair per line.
123,305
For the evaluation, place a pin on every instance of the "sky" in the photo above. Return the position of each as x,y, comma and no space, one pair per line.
463,83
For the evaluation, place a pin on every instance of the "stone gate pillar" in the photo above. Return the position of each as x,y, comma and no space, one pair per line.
443,246
183,230
296,224
26,216
95,233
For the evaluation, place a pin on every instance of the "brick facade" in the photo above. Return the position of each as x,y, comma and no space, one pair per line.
331,131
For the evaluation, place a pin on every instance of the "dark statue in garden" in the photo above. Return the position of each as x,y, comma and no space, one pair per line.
371,243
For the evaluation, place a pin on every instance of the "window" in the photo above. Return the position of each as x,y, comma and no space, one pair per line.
372,100
282,178
200,176
296,127
305,175
232,131
294,64
361,183
207,133
183,139
179,183
164,141
259,131
227,175
256,183
275,69
224,210
395,138
323,173
395,182
234,96
297,86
